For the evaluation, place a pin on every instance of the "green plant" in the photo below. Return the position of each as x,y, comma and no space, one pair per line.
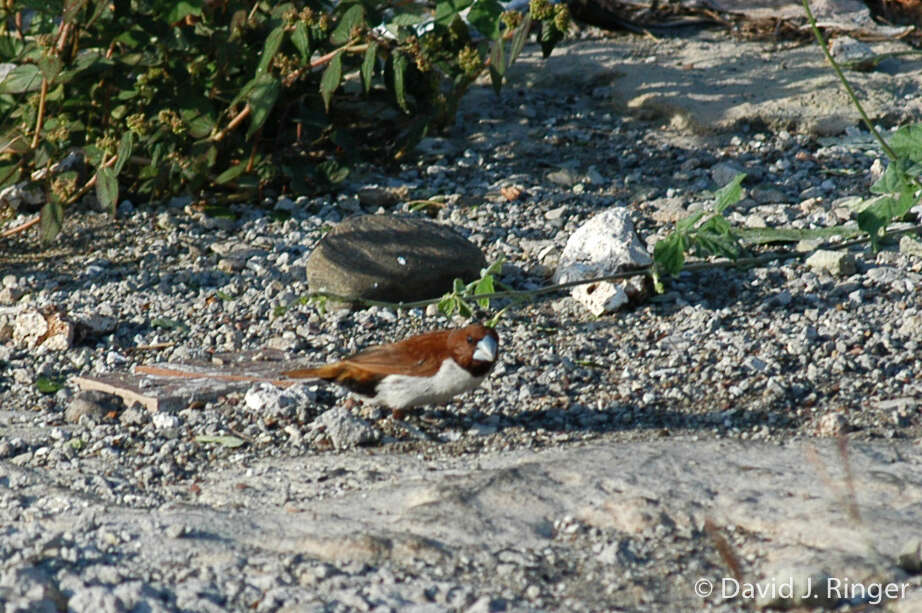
459,299
162,97
706,232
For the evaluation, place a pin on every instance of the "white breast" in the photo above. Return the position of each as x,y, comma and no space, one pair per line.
404,391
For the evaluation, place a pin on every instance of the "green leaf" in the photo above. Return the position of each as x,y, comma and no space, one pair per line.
731,193
332,172
549,37
484,15
519,38
458,287
107,189
446,10
52,218
892,181
262,98
907,142
183,9
330,79
125,146
368,64
669,253
225,441
497,65
879,215
301,39
273,42
50,67
401,62
230,174
48,385
353,17
684,225
484,286
23,78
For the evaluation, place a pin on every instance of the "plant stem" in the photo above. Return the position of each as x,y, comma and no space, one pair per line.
848,88
548,289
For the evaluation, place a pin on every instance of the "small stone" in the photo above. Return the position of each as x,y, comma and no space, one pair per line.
911,246
808,588
344,429
832,425
724,172
565,177
838,263
92,404
10,295
165,421
135,415
392,257
910,558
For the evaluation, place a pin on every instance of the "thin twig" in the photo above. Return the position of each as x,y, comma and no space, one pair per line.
40,119
21,227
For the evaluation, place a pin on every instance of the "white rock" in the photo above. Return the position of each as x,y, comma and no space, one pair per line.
344,429
600,298
839,263
602,246
28,327
165,421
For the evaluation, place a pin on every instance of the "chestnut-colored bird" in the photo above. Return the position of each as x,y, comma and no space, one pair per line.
429,368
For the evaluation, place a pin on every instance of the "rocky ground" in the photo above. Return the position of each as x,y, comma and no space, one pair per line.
607,463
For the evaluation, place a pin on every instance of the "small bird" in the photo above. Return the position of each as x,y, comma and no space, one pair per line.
429,368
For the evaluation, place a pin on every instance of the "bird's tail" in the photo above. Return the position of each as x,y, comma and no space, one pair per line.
329,372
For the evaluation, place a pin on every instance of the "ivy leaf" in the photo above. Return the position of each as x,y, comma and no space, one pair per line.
368,64
330,79
107,189
273,42
52,218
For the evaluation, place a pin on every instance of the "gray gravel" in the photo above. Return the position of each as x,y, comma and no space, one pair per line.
775,354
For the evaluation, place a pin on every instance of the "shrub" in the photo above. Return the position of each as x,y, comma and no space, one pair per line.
163,97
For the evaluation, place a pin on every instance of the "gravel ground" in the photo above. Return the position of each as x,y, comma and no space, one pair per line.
774,354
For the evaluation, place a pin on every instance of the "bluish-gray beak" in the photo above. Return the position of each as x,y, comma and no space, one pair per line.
485,351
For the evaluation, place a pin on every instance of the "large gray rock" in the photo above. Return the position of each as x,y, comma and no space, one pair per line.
388,257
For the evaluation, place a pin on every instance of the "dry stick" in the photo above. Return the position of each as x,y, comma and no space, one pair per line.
21,227
40,119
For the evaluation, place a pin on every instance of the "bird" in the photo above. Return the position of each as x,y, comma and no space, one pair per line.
428,368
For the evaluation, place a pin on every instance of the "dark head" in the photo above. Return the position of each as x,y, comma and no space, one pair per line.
475,347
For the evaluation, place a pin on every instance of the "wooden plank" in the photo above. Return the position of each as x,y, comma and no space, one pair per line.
170,387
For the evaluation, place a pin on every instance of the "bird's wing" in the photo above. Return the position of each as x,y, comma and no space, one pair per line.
415,359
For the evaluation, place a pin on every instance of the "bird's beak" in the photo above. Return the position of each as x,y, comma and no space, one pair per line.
485,351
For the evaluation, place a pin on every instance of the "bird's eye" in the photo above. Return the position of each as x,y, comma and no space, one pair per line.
470,340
